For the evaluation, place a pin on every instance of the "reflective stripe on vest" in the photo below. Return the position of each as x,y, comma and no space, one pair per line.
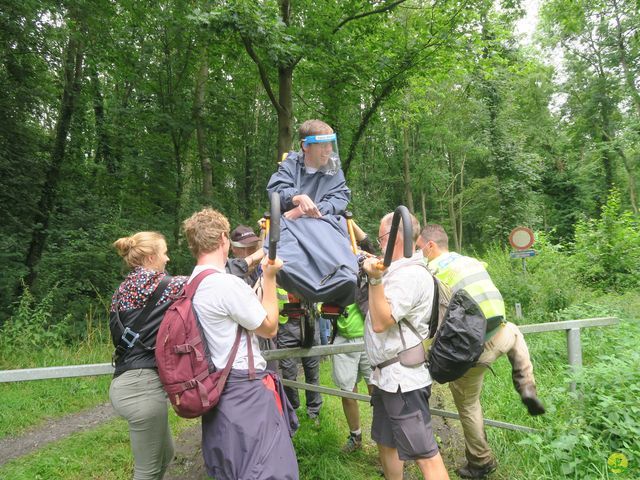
467,273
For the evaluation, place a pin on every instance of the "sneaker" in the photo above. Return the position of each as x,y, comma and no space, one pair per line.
354,442
469,471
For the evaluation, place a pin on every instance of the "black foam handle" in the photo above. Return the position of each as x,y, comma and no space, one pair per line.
407,234
274,226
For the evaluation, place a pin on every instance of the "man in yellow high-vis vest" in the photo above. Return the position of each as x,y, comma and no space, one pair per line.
461,272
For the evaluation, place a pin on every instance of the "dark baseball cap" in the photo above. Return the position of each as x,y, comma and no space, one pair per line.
243,236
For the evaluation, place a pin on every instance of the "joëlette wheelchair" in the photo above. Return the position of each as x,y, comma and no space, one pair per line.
303,309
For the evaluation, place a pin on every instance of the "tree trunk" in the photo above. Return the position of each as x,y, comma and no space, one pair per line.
72,74
423,204
451,198
607,138
629,167
635,96
408,194
364,123
103,149
285,92
285,112
453,221
177,154
198,107
460,205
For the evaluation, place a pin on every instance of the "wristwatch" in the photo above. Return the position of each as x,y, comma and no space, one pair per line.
375,281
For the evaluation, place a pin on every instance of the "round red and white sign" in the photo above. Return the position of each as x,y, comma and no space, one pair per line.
521,238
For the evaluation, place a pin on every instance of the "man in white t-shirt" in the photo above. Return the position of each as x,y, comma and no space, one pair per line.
399,312
253,414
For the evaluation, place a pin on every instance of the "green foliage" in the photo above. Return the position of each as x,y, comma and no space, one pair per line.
607,249
31,326
488,135
602,417
586,310
32,338
549,284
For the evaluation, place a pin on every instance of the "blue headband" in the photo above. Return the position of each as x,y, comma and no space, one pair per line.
330,137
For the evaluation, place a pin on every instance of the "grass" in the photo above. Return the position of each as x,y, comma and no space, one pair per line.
28,404
101,453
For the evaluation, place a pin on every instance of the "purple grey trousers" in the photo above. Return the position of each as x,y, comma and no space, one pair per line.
246,436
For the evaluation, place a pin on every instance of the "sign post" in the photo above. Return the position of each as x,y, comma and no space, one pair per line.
521,238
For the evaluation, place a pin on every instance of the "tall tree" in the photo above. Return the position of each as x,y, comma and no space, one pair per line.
72,72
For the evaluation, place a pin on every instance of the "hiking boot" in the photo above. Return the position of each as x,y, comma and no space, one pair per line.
531,400
354,442
469,471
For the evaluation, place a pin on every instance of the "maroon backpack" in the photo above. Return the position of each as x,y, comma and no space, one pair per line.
191,381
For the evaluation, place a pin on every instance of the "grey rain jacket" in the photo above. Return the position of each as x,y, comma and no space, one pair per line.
329,192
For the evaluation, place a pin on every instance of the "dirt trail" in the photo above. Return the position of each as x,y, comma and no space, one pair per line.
188,462
53,430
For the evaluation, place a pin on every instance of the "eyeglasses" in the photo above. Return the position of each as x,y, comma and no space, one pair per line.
381,237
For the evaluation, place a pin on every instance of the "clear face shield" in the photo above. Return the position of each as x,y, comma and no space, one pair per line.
321,153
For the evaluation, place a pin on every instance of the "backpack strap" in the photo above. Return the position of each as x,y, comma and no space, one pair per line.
232,357
130,335
191,287
412,328
252,368
433,320
435,307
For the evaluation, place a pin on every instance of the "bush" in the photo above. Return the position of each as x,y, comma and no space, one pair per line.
31,326
607,250
604,419
549,285
583,429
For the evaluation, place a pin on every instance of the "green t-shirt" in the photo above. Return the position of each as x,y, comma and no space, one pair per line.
351,325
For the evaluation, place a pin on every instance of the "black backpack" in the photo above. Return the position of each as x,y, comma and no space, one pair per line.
459,342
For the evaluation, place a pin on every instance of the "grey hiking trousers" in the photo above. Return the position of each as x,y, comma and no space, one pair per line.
137,395
289,336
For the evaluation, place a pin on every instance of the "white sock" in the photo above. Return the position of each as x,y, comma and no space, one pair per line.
356,433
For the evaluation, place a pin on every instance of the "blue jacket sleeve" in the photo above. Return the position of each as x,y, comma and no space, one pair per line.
283,182
335,201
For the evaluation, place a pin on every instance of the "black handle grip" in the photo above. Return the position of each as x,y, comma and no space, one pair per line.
274,226
407,234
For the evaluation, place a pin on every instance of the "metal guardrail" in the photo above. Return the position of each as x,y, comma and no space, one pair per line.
434,411
574,343
574,351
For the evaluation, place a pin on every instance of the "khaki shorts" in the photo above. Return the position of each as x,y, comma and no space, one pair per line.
402,420
350,368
